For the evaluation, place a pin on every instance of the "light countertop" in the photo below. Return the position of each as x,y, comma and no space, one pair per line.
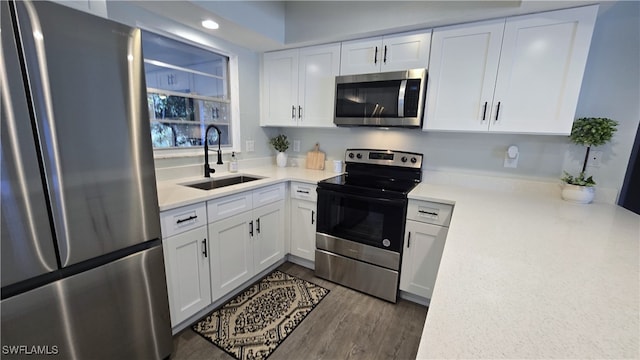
172,195
528,275
524,274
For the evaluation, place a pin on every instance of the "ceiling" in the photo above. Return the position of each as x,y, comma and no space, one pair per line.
271,25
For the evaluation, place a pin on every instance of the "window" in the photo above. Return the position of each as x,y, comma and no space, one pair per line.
187,90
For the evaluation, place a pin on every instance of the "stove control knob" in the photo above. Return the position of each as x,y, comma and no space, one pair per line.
414,160
351,155
386,243
359,156
404,159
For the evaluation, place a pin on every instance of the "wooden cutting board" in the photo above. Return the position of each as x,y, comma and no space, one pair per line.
315,159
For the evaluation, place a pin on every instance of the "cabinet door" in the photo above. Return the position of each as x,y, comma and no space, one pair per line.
361,56
268,235
187,264
174,80
317,70
423,248
541,67
232,253
280,88
462,72
405,51
303,229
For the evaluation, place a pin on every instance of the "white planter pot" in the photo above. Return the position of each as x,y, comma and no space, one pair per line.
281,159
578,194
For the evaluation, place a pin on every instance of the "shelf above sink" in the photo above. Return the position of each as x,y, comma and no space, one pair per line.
210,184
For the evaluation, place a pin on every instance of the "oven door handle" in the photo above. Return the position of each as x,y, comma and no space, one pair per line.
379,200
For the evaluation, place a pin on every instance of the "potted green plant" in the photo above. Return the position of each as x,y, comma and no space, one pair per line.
587,132
281,144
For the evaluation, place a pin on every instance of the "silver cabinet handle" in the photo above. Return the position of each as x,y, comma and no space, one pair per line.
251,228
258,225
204,247
293,112
299,112
313,214
409,240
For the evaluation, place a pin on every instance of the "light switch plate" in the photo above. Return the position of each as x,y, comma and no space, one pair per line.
250,146
296,145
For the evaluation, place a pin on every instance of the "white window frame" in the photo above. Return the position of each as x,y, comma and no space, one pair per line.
234,105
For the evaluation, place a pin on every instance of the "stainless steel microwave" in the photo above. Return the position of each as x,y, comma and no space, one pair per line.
391,99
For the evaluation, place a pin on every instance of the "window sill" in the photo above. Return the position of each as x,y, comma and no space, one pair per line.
188,153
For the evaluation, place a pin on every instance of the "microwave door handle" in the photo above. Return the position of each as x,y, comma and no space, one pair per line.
403,88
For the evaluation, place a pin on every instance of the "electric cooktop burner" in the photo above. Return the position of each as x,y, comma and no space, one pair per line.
381,173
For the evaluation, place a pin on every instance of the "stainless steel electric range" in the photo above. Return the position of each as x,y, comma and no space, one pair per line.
361,217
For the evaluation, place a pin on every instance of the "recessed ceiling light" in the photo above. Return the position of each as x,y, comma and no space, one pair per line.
210,24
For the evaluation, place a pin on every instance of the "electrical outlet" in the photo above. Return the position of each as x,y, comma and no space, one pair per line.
296,145
595,159
250,146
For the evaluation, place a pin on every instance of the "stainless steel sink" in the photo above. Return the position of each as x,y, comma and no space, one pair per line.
211,184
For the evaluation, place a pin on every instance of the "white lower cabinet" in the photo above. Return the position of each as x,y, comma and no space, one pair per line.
425,234
212,248
231,247
303,229
303,220
421,258
186,257
268,235
246,235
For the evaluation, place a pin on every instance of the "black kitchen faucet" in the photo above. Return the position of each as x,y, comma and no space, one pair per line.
207,169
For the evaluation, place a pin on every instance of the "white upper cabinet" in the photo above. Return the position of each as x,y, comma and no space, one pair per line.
95,7
388,53
298,87
541,67
280,88
522,75
462,72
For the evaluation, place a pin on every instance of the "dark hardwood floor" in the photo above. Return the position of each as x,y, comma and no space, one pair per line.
345,325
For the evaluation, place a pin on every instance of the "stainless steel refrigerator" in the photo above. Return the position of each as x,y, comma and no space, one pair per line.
82,266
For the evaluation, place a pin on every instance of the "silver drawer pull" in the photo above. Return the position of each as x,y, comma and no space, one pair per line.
180,221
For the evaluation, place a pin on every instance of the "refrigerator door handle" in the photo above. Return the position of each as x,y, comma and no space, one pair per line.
39,83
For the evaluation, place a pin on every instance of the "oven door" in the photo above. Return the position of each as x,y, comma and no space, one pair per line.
373,221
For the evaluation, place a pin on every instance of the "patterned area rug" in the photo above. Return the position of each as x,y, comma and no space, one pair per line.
253,324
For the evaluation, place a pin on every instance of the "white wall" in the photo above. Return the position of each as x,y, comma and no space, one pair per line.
248,73
610,89
325,21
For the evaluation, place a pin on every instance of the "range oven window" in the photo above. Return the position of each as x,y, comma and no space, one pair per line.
362,219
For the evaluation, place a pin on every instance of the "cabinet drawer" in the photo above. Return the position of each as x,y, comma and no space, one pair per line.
182,219
304,191
267,195
229,205
429,212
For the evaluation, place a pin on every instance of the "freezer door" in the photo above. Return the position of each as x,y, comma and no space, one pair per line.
87,83
27,246
116,311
